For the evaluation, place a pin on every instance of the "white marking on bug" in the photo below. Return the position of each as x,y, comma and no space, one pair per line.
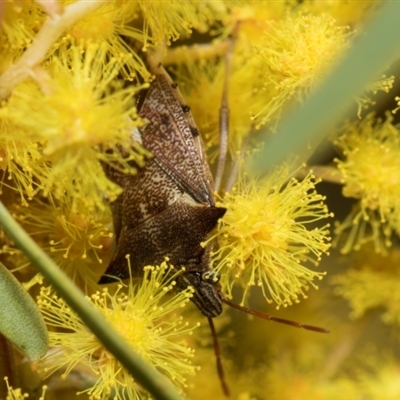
136,136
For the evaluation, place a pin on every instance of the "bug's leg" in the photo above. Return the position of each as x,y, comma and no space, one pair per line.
217,352
224,117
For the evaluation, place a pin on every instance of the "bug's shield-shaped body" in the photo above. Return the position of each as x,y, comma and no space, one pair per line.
167,209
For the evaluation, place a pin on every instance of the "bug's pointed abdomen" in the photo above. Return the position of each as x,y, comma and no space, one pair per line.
175,233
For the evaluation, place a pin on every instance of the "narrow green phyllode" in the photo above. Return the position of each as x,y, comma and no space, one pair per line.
20,319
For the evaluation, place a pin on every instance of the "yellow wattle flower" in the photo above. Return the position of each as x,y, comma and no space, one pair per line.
267,236
369,166
76,238
143,314
371,283
22,161
20,23
107,27
296,53
84,113
168,21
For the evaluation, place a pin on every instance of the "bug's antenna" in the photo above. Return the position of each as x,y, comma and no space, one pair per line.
275,319
217,352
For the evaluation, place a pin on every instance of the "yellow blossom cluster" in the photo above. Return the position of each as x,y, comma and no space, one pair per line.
296,56
279,57
268,234
369,173
372,282
77,241
61,122
142,315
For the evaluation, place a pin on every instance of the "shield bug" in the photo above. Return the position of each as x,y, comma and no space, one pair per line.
168,208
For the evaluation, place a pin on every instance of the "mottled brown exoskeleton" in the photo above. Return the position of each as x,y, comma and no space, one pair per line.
168,208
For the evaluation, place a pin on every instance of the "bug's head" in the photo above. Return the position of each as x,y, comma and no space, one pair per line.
207,291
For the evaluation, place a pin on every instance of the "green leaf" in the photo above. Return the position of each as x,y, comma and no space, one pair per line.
20,319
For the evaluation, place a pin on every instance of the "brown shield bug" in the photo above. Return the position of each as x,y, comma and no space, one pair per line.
167,209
